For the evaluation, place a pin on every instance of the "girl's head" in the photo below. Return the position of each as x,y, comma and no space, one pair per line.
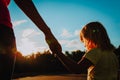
94,35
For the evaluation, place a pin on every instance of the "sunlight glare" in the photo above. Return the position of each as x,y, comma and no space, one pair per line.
28,47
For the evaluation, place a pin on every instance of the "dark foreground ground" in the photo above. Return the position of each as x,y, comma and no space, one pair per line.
55,77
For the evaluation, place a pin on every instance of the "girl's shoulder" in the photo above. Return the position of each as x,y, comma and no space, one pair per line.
94,50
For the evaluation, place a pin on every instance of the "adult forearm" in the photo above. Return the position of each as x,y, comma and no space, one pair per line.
30,10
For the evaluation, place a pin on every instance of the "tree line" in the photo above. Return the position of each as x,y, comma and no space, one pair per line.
46,63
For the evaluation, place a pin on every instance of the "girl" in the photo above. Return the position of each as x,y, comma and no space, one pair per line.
99,52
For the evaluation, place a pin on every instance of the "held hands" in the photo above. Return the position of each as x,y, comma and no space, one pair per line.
53,44
29,10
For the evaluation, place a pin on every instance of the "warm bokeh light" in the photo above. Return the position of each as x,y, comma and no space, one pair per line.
28,47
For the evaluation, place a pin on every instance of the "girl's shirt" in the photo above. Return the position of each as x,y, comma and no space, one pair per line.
4,13
105,65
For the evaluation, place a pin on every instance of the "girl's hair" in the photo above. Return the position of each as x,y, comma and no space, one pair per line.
95,32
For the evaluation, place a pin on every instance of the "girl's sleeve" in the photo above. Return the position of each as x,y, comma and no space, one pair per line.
93,56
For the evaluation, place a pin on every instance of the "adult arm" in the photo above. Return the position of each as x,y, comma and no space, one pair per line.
30,10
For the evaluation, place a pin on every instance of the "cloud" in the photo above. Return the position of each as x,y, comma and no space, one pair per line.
28,46
30,33
77,32
71,40
63,42
66,33
73,44
19,22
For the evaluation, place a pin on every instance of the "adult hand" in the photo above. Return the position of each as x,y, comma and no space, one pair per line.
53,44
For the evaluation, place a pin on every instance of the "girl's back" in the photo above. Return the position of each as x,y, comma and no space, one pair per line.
105,65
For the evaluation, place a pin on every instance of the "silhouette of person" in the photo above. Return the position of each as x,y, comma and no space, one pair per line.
99,59
7,42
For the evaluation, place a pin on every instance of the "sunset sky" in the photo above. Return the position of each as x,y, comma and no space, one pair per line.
65,18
